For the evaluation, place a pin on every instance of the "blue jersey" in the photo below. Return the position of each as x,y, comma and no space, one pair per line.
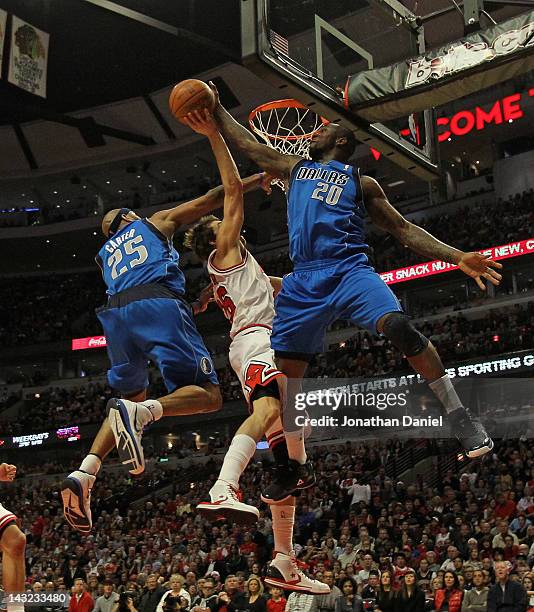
140,254
325,212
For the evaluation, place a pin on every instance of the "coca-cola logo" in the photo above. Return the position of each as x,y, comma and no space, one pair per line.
79,344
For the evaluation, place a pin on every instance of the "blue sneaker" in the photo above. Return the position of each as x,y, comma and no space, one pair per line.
127,420
76,495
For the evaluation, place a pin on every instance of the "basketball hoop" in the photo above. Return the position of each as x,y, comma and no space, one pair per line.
287,126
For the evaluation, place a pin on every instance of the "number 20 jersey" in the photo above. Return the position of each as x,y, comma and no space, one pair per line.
325,212
140,254
243,292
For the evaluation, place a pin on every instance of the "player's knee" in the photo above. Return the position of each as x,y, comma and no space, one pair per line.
400,331
14,541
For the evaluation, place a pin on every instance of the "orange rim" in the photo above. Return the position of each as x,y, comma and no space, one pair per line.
281,104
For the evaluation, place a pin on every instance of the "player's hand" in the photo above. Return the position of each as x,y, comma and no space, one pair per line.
215,93
201,121
266,182
205,297
480,266
7,472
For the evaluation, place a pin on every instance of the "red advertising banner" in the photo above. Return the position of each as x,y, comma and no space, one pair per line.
79,344
429,268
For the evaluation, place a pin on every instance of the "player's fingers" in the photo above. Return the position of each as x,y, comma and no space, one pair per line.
493,274
492,280
479,282
494,264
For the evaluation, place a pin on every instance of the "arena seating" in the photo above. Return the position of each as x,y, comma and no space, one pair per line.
458,521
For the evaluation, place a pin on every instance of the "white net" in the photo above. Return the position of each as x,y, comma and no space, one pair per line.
287,126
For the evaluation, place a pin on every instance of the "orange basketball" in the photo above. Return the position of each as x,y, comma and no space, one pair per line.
190,95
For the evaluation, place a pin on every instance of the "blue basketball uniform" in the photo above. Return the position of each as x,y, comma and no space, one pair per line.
331,278
146,316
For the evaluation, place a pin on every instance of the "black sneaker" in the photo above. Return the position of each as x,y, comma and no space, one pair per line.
286,481
470,432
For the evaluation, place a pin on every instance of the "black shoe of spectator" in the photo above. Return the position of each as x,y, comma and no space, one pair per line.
470,432
291,477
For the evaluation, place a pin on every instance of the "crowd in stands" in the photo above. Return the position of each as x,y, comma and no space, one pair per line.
455,337
358,530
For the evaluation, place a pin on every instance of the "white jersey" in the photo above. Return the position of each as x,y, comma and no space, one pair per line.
244,293
6,518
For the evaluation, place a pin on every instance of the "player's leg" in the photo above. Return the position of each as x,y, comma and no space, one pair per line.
13,545
370,303
165,332
128,375
299,329
284,571
223,498
424,359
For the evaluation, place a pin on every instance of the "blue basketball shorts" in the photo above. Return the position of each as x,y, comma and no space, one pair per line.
315,296
161,330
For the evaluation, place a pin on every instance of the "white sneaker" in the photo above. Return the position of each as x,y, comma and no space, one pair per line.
76,495
127,420
225,503
283,572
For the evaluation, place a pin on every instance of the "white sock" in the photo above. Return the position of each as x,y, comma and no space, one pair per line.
283,522
239,454
15,607
295,445
446,393
91,464
155,407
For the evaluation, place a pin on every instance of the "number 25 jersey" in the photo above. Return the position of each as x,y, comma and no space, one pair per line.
137,255
325,212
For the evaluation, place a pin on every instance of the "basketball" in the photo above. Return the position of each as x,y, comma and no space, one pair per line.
190,95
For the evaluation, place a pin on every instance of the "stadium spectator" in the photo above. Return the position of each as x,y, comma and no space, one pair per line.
151,596
475,600
349,601
276,601
107,601
301,602
386,600
506,595
410,598
80,601
450,596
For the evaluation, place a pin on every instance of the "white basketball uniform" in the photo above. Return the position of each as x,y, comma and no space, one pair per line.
6,519
246,297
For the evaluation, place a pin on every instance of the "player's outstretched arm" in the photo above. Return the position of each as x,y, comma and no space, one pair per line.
417,239
229,232
168,221
269,159
7,472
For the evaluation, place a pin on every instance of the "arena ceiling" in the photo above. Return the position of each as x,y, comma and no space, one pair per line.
99,56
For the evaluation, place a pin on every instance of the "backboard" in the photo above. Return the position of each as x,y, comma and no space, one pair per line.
308,48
